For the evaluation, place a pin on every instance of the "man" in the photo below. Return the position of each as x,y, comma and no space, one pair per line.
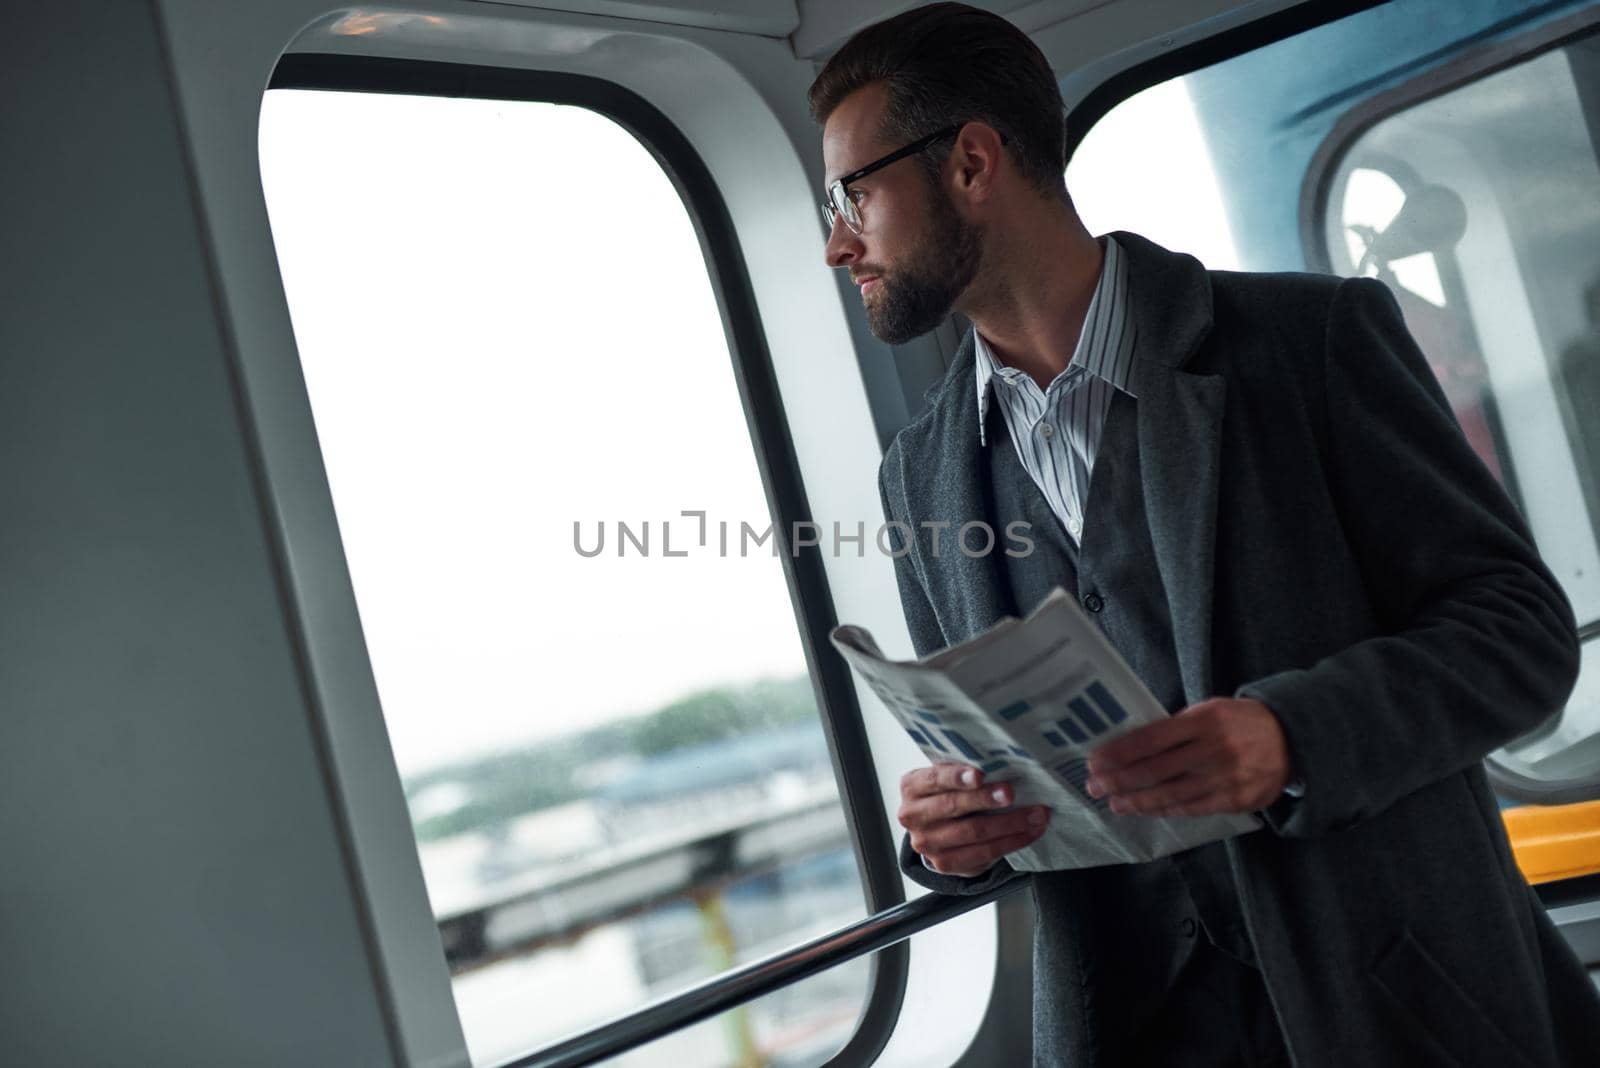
1254,484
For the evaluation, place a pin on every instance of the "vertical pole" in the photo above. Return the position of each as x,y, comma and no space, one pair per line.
720,954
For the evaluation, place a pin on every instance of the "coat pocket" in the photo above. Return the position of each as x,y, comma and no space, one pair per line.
1423,992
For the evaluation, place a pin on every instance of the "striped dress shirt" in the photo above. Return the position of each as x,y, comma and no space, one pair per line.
1057,432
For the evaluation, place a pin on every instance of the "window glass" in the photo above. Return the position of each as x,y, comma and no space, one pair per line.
1479,207
1146,168
598,703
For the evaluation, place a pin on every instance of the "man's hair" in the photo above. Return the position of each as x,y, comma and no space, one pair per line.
945,64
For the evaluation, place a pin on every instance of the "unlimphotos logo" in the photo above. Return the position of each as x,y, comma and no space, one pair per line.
894,539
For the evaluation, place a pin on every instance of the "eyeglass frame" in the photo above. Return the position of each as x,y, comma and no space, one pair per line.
838,187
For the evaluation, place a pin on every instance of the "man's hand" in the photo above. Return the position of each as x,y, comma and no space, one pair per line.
1221,755
951,817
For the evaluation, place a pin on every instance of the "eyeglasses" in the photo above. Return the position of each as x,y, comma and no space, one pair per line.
840,206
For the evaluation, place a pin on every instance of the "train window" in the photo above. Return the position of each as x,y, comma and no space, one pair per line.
1449,149
579,626
1162,187
1480,207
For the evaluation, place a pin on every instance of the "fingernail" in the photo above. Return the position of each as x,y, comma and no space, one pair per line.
1095,787
969,778
999,796
1036,817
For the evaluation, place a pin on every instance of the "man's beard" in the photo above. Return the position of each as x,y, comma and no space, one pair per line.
916,298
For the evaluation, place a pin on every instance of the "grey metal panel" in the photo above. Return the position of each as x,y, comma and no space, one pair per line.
1580,924
1087,50
764,18
174,889
826,24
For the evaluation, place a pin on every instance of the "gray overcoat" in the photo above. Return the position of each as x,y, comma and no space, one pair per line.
1330,545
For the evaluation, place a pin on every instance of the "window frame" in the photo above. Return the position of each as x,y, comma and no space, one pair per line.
754,375
1099,101
1470,66
1316,190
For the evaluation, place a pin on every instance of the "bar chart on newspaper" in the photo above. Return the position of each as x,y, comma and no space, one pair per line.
1027,701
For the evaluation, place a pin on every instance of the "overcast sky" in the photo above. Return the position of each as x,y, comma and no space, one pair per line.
506,326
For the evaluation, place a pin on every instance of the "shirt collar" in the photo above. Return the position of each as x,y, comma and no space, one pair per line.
1104,345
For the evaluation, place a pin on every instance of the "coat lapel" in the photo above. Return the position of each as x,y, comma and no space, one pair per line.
945,478
1180,429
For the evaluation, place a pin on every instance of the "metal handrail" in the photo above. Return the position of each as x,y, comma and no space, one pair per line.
760,977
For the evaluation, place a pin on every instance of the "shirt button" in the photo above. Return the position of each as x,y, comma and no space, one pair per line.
1047,430
1074,527
1190,928
1093,602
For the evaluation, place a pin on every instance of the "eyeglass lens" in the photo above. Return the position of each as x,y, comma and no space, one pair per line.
840,206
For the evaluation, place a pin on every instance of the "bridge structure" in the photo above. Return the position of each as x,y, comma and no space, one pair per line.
556,904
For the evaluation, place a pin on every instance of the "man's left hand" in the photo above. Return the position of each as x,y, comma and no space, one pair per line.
1222,755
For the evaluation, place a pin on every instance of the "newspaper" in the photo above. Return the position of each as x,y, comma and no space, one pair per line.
1027,701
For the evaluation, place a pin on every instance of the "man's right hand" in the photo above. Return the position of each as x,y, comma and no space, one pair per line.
953,823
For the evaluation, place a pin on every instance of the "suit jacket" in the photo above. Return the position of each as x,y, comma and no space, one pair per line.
1330,545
